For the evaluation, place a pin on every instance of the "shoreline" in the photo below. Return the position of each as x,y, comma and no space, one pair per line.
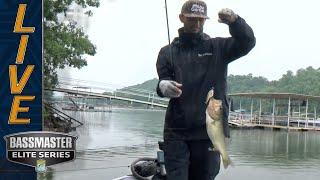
135,109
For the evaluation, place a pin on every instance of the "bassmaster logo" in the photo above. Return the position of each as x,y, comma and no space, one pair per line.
40,149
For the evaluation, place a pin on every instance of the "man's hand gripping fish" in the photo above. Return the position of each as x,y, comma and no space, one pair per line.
214,123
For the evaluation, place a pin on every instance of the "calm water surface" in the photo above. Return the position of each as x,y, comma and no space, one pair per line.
109,142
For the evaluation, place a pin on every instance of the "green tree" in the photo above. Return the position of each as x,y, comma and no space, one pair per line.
246,83
285,83
306,81
64,44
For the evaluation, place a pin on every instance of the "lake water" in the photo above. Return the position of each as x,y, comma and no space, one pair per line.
109,142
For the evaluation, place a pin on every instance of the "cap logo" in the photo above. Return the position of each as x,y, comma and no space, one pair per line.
197,8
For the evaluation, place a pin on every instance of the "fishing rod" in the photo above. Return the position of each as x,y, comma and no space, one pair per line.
170,50
165,1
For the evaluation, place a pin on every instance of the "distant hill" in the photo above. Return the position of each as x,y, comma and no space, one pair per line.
149,85
304,81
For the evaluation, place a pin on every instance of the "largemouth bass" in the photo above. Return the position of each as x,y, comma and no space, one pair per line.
214,123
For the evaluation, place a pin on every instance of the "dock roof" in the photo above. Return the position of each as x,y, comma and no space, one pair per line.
265,95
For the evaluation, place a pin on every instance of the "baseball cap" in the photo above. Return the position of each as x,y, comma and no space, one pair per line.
194,8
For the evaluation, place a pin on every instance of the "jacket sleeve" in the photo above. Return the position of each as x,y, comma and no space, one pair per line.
241,42
164,68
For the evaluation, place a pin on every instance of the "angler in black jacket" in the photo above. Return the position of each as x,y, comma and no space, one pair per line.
187,69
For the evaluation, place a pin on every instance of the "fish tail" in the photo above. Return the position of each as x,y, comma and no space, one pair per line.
227,162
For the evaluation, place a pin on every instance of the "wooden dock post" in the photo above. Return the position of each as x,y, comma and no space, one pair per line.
299,116
287,144
306,120
288,123
230,103
273,110
251,111
315,116
260,113
152,100
241,116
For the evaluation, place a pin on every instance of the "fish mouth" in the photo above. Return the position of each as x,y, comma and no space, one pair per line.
209,96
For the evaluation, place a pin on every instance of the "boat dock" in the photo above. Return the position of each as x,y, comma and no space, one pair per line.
277,111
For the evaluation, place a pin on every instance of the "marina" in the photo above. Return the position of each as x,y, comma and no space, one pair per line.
275,111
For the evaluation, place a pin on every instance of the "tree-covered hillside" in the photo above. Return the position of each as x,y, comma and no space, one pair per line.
304,81
149,85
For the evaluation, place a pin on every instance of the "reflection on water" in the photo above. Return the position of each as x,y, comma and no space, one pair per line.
266,154
280,148
125,128
109,142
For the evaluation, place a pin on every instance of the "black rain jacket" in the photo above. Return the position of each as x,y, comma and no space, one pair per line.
199,63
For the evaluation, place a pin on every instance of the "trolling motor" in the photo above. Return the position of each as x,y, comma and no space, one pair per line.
150,168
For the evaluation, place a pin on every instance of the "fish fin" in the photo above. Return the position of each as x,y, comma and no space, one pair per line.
212,149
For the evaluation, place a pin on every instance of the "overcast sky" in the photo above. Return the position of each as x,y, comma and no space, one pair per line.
129,34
